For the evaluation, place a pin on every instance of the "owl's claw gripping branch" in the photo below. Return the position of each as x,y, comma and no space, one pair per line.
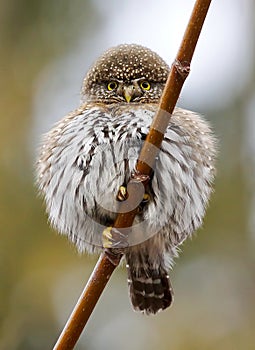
145,180
122,194
113,238
107,237
146,198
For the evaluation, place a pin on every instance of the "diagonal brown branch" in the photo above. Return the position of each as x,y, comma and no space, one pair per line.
110,258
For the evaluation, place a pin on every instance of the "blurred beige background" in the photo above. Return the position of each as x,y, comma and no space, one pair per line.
46,48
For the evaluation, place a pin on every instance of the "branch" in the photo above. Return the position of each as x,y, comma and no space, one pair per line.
110,258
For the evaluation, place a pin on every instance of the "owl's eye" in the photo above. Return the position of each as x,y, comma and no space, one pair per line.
112,85
145,85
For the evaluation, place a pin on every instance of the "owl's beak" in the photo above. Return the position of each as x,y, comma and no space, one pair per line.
128,92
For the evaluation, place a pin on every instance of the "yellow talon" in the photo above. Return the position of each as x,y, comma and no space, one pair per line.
107,237
122,193
146,197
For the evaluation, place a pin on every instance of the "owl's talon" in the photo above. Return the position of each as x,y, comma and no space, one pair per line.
113,238
122,194
107,237
146,198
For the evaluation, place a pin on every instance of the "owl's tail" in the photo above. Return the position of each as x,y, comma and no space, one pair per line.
150,289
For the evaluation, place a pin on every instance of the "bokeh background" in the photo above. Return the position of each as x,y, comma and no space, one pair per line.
46,48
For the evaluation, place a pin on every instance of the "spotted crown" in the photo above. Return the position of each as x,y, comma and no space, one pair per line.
126,63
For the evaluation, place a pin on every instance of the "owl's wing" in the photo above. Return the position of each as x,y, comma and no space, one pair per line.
63,165
183,175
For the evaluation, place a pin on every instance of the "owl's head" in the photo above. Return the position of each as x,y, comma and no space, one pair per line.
126,73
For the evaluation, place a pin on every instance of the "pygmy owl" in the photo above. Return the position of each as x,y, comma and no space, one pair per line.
89,155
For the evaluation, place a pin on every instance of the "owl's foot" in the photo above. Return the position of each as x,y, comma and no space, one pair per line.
146,198
112,238
107,237
123,195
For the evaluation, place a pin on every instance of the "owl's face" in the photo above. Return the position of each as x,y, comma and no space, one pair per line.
126,73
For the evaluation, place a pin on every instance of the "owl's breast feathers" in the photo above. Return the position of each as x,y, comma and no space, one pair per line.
90,153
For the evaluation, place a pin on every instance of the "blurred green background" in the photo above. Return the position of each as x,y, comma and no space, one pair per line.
46,47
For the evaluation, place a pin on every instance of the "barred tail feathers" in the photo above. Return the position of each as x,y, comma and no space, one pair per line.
150,288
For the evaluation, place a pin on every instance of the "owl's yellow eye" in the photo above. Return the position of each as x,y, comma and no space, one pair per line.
112,85
145,85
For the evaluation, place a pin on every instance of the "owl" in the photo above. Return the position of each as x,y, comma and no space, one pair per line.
86,160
